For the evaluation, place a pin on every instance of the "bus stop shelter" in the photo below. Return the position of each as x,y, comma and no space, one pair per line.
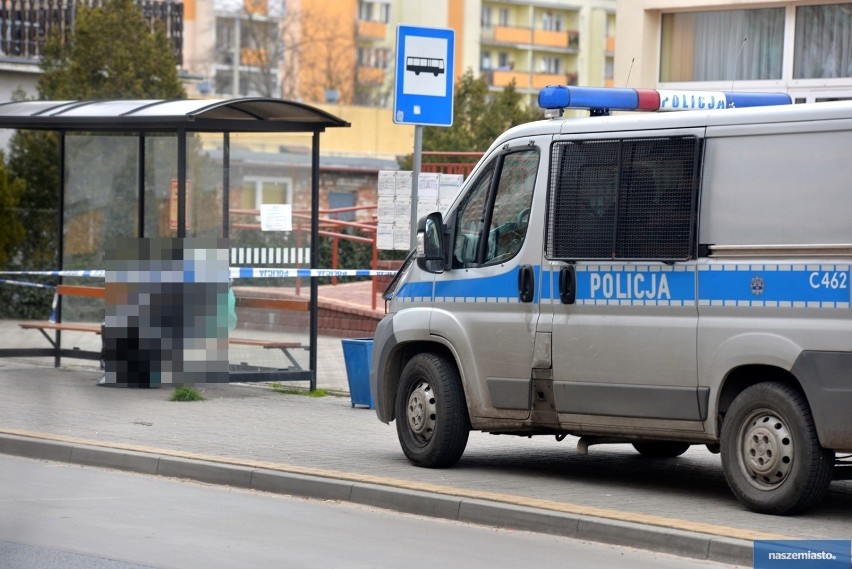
148,192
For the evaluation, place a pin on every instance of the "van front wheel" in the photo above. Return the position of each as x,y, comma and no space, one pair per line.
431,416
771,455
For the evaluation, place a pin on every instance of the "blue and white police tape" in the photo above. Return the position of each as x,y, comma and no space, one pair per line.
235,273
24,283
97,274
270,273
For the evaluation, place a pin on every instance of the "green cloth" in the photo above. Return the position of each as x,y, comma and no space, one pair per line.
232,309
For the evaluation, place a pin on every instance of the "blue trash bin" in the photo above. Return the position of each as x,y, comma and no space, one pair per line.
357,354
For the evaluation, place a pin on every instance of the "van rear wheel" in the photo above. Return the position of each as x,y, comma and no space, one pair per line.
771,455
661,449
432,423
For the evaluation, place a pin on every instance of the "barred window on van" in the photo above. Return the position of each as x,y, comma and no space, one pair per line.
623,199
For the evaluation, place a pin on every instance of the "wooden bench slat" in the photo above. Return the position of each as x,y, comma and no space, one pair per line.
80,290
263,343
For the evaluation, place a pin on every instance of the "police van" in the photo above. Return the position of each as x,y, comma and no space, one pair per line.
656,279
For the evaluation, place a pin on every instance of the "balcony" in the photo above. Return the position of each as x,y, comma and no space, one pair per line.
256,7
610,44
370,75
569,39
526,80
506,35
369,30
25,24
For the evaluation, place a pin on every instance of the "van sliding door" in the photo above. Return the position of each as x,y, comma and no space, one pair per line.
621,232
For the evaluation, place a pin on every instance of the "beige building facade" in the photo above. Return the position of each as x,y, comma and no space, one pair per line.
343,51
803,48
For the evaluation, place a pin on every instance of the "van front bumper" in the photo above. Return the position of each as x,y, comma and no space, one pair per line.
826,378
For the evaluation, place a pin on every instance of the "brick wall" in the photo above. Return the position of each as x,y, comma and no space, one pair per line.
332,320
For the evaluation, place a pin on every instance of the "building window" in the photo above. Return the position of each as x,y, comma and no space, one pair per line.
503,61
486,60
486,17
551,22
504,16
374,57
723,45
551,65
260,190
365,11
823,44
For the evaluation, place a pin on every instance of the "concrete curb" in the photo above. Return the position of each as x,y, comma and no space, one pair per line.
476,511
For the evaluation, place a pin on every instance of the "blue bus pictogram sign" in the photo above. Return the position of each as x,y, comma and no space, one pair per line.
423,91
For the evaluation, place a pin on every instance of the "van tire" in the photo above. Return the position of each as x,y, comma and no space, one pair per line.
661,449
431,415
771,455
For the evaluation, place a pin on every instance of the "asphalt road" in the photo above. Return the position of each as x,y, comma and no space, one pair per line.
55,515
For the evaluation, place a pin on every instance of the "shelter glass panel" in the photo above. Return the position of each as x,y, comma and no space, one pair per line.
269,230
101,205
204,188
160,186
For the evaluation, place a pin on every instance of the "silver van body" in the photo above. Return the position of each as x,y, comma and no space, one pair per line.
655,279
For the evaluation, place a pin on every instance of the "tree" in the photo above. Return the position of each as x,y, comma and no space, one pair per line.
479,116
11,228
113,52
319,56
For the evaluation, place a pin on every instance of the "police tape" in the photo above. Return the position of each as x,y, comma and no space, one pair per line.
29,284
256,273
235,273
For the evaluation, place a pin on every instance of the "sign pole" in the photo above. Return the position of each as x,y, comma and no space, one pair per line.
423,91
415,178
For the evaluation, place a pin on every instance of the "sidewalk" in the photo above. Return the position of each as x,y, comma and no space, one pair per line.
252,436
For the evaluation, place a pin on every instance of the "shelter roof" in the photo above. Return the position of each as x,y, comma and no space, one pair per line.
249,114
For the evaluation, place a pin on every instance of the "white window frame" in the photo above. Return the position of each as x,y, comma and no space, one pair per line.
257,183
551,64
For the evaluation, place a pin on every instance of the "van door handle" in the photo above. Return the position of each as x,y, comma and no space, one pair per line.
526,283
567,284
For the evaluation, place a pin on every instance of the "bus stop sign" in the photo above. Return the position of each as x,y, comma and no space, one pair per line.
423,92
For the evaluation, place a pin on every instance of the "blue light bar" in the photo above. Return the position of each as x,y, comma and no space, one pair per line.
742,100
603,99
562,97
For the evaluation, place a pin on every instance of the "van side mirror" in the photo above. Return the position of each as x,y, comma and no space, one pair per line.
431,256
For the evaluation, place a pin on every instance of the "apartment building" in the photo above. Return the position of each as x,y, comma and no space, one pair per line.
344,50
800,47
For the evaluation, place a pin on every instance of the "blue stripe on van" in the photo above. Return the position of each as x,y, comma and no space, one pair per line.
758,285
415,290
768,285
496,288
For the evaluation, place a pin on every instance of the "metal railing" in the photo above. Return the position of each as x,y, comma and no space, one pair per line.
450,162
330,228
25,25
